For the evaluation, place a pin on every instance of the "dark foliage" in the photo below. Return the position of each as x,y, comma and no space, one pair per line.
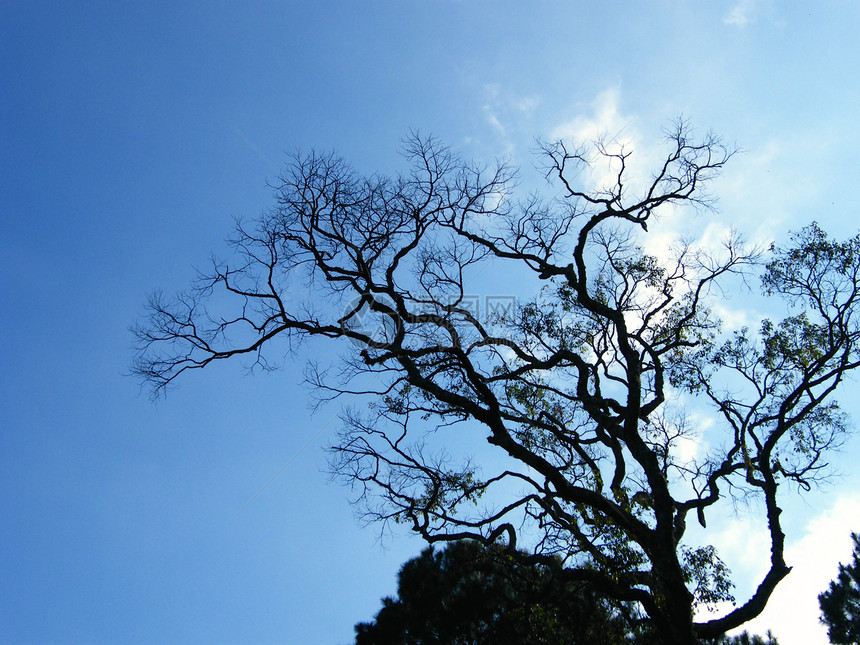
840,604
468,594
745,638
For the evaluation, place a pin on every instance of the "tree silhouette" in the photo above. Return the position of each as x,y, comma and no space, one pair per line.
471,594
745,638
468,594
840,604
582,389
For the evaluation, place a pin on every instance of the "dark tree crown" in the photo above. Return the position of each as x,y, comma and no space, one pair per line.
840,604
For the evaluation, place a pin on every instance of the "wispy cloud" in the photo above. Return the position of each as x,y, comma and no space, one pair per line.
743,13
604,121
494,122
505,113
527,105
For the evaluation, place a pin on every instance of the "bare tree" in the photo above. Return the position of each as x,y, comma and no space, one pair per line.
581,389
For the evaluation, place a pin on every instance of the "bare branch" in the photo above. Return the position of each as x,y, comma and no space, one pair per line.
570,397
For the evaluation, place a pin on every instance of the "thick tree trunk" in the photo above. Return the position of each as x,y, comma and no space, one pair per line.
676,600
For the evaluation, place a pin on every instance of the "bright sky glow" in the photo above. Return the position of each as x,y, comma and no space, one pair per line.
132,133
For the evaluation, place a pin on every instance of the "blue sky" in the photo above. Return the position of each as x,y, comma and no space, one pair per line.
130,136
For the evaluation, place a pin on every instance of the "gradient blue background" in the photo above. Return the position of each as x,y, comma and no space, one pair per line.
131,134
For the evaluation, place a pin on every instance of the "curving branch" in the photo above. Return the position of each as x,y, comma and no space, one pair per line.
572,392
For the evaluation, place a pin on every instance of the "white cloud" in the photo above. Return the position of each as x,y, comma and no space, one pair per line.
506,113
616,131
742,13
793,613
604,120
736,319
752,192
692,445
527,105
494,122
744,544
492,90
